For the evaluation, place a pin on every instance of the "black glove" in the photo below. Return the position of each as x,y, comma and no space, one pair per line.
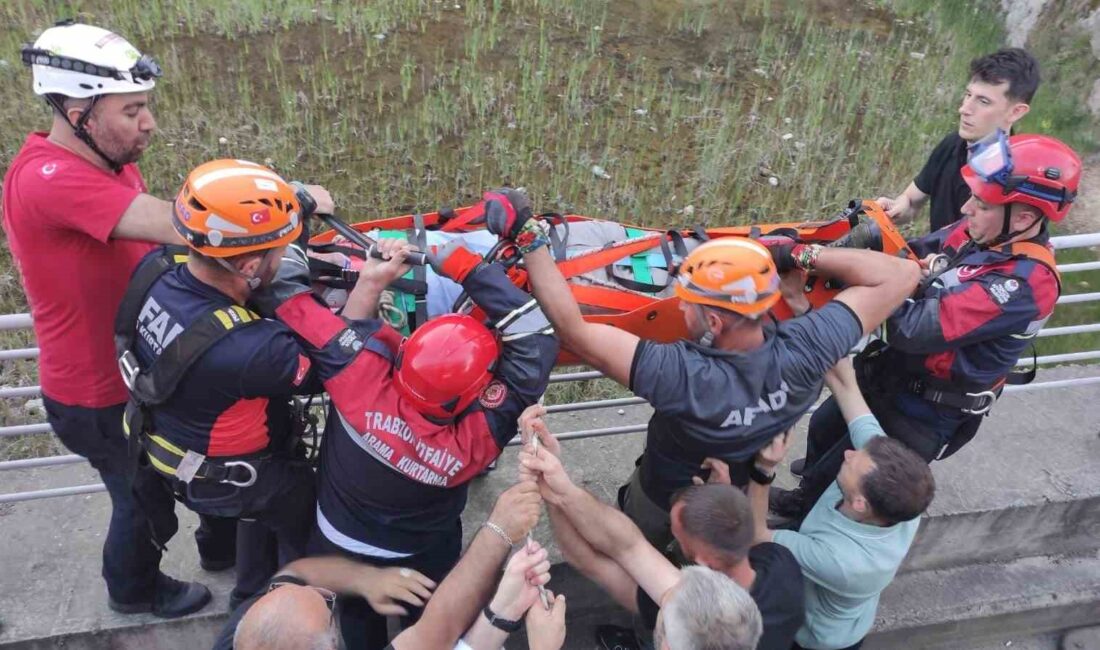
291,279
305,200
867,236
506,210
309,206
782,249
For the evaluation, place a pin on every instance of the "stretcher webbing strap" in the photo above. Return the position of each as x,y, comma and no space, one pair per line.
461,218
610,254
402,299
676,239
613,299
639,262
559,243
420,271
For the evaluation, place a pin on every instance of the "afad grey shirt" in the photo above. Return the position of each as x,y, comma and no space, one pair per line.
728,405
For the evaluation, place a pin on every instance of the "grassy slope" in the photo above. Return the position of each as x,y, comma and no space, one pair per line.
415,103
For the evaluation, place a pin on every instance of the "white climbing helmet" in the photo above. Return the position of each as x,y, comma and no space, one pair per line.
79,61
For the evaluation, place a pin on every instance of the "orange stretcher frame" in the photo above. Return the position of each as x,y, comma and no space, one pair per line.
649,317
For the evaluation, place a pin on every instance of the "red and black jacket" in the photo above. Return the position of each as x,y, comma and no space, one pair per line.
971,325
390,477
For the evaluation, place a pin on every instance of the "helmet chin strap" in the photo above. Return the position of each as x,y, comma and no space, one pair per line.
81,132
706,339
1006,234
253,281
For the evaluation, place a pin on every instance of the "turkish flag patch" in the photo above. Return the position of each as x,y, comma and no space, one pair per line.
262,215
493,395
48,170
303,370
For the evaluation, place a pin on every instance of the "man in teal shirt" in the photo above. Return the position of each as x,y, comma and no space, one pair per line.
854,539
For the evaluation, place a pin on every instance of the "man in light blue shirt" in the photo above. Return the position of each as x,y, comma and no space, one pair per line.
854,539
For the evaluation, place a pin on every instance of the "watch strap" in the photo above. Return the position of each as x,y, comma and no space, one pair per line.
501,623
756,475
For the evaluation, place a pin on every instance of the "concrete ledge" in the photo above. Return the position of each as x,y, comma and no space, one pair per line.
192,633
1045,528
1026,486
961,607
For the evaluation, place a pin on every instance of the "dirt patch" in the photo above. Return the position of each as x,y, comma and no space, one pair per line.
1085,215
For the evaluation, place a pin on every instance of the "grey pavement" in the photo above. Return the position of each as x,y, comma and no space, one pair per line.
1026,486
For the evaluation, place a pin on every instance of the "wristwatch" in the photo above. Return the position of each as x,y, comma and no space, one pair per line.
501,623
757,475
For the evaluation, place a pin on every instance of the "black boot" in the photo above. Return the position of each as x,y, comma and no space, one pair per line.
236,599
216,566
173,599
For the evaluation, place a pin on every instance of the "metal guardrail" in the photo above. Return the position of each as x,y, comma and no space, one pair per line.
23,321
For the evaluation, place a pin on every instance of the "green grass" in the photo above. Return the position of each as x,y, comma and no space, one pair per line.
454,100
403,104
1075,314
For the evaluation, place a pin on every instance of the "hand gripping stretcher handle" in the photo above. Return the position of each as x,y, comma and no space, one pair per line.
417,258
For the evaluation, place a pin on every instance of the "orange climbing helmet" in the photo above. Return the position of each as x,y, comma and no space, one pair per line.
446,364
230,207
730,273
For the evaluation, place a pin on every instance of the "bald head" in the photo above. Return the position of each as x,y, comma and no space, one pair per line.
288,618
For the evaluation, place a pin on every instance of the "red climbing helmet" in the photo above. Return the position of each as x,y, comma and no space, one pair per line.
1038,170
446,363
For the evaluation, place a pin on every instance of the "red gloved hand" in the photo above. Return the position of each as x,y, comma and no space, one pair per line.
455,261
506,210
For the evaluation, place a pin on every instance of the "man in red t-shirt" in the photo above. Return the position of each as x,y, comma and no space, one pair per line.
78,220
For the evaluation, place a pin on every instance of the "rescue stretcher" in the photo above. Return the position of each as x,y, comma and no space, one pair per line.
619,274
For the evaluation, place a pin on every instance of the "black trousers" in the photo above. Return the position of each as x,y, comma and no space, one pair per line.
361,626
922,426
275,514
131,560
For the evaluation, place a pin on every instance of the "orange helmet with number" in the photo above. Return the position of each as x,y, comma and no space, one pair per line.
730,273
230,207
446,363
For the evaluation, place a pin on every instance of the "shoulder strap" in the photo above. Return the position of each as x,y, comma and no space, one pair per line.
156,384
146,274
1036,253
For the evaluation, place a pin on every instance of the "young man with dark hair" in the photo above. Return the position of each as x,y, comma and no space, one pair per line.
999,93
707,518
857,534
898,489
991,283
